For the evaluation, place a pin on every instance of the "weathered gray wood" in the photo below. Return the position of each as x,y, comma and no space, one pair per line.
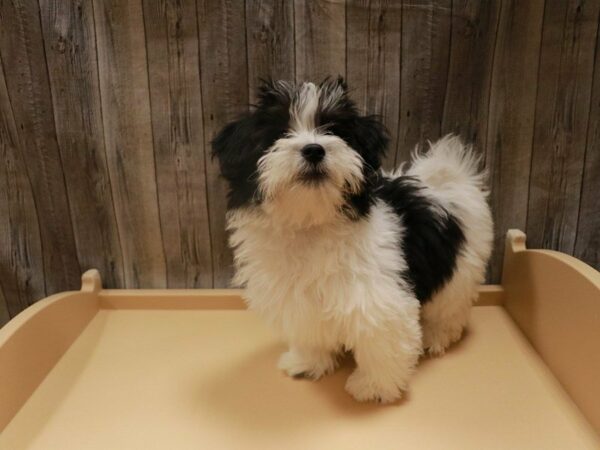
22,50
107,162
223,66
21,261
172,44
561,123
474,30
473,35
4,315
425,49
511,118
373,40
128,137
70,44
270,41
320,36
587,243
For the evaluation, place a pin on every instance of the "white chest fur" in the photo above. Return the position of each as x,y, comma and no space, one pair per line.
312,283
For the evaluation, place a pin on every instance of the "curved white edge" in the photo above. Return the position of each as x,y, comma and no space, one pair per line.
585,270
516,243
515,240
31,311
91,281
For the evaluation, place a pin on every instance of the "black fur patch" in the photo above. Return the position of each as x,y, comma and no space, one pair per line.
430,243
240,144
365,134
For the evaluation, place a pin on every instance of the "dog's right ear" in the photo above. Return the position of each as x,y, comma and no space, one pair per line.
230,147
275,92
235,147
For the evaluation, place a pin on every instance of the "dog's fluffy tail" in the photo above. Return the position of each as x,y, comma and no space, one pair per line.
448,163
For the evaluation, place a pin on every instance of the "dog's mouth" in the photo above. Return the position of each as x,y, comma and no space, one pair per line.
313,176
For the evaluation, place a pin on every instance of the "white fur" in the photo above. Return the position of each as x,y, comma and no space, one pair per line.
327,283
330,287
450,171
279,168
305,107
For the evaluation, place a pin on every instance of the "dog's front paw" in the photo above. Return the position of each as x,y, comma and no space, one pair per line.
365,388
313,366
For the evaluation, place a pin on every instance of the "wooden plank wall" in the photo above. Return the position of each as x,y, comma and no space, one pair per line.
107,110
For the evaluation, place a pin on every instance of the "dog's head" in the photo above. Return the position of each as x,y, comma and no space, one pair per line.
304,153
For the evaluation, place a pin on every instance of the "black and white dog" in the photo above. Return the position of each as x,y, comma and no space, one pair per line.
337,255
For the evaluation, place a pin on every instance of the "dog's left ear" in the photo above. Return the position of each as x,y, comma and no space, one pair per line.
337,82
372,138
335,92
341,82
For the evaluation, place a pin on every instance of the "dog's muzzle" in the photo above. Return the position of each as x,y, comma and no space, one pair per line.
314,171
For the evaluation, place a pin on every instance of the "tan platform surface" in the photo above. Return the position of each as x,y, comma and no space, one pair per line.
207,380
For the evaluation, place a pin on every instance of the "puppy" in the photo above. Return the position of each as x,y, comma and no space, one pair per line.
337,255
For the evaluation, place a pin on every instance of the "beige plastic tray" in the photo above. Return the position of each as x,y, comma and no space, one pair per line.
191,369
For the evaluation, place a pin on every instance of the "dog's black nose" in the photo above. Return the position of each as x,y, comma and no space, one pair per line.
313,153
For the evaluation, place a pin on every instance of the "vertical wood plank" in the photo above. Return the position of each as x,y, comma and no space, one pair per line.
68,29
21,261
587,244
320,36
126,117
373,40
22,50
270,41
224,71
425,48
474,31
172,44
561,119
473,35
4,315
511,117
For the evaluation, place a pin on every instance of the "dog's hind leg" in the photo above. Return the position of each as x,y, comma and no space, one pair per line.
445,316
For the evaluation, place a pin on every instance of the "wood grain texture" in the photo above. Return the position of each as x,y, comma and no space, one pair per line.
426,31
587,243
125,98
173,67
320,37
373,41
270,41
70,45
22,51
511,118
561,122
21,262
4,314
473,35
108,108
224,70
474,30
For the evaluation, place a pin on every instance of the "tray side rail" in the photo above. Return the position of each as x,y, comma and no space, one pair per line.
555,300
34,341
